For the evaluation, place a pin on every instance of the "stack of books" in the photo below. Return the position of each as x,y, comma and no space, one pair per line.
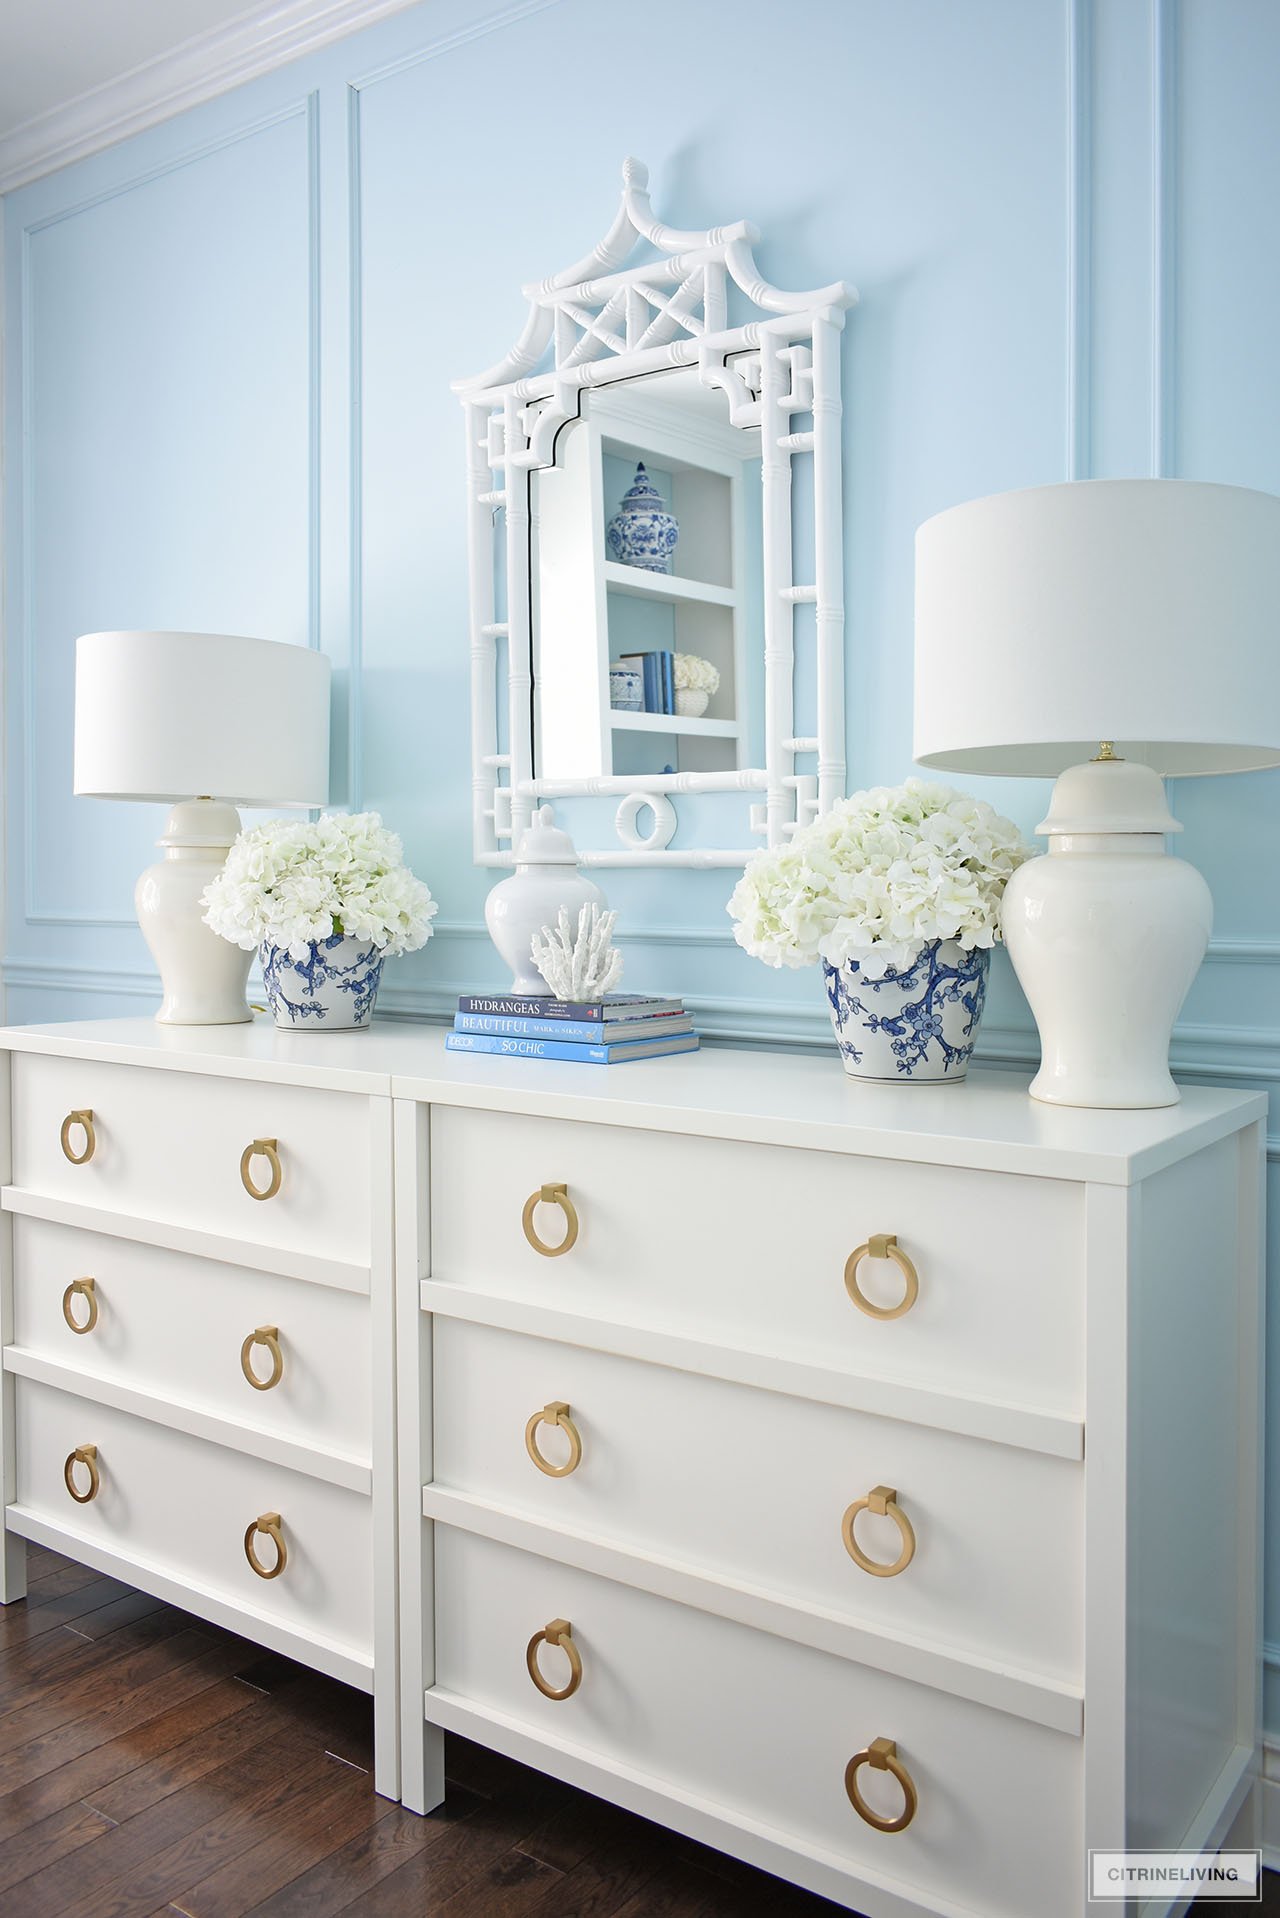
605,1032
657,679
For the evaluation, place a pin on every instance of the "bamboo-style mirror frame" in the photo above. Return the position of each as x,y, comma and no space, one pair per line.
597,322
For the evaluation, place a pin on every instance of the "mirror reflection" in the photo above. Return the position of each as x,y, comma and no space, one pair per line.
646,586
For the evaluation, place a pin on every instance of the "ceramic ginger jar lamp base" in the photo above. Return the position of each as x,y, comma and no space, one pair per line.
1106,933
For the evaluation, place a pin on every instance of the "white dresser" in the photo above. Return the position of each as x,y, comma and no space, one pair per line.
197,1314
1009,1355
872,1471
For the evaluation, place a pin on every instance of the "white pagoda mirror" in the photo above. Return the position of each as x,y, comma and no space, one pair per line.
656,556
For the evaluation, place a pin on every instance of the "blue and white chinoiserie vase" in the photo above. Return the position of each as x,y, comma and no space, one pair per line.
642,532
919,1024
331,990
626,689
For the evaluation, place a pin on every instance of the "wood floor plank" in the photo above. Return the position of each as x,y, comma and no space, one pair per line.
140,1864
59,1600
23,1667
52,1838
143,1747
339,1812
207,1750
210,1848
101,1620
99,1672
461,1855
514,1886
75,1738
362,1863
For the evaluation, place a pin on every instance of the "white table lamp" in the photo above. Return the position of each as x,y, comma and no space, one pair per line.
239,722
1106,632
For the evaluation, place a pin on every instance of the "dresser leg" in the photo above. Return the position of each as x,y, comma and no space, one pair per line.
13,1568
423,1786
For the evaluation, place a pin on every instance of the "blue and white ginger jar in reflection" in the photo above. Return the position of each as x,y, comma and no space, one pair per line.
918,1024
333,988
642,532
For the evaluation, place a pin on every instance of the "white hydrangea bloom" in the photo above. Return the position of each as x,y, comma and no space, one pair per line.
293,882
881,875
695,674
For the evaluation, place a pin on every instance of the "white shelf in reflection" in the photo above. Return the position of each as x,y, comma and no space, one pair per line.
673,723
665,586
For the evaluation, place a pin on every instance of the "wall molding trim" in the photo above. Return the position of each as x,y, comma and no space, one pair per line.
187,75
1079,460
1164,234
305,108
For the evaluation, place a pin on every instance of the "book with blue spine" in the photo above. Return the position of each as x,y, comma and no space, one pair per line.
569,1031
615,1006
575,1054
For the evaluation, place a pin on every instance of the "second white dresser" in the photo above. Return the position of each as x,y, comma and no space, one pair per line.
861,1479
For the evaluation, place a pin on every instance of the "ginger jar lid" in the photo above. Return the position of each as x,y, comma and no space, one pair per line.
1109,795
543,843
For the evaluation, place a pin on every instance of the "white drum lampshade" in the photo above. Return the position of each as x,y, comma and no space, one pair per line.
208,721
1105,632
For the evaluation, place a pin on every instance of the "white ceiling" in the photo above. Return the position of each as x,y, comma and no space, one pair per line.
52,51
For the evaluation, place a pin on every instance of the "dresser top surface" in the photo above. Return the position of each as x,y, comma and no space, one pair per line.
988,1121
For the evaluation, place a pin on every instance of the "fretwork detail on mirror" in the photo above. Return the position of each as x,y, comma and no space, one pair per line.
655,549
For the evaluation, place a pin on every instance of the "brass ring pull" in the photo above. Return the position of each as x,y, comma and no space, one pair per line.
550,1195
269,1526
881,1245
883,1501
267,1149
85,1121
557,1413
86,1455
882,1755
268,1335
558,1632
86,1290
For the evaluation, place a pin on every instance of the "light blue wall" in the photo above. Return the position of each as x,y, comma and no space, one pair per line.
229,343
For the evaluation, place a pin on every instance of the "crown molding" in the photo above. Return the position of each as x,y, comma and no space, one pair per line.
199,69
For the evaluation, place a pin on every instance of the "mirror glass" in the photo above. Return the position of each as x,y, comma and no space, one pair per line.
646,586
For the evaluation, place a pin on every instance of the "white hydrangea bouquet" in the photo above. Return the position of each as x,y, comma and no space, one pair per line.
324,902
697,681
897,892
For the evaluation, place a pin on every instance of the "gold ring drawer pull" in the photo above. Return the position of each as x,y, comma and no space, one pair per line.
557,1413
882,1755
85,1122
883,1501
550,1195
269,1526
882,1245
86,1455
558,1632
268,1335
261,1149
81,1289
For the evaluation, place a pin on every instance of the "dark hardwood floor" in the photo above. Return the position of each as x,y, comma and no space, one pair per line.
152,1764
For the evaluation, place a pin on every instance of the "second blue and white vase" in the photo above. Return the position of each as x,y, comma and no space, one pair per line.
332,989
917,1025
643,532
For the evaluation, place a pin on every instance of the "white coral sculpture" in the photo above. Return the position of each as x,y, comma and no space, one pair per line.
581,965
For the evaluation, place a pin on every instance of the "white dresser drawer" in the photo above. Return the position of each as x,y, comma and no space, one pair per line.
748,1244
754,1486
764,1729
174,1324
182,1506
169,1145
